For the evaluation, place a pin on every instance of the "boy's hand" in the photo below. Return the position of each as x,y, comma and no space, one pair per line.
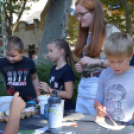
100,111
17,104
43,86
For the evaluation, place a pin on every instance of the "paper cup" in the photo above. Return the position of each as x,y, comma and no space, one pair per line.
62,104
43,99
5,102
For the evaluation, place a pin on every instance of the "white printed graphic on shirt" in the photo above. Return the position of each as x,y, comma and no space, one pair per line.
114,99
14,76
25,74
17,78
9,76
56,85
52,78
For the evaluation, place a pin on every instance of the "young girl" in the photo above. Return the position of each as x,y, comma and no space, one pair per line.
93,30
61,75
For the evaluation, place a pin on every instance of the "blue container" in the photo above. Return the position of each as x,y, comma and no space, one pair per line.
46,111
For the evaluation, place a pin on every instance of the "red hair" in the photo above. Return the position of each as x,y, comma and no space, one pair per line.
97,29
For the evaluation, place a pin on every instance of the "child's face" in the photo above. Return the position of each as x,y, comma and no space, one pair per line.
119,64
13,56
54,53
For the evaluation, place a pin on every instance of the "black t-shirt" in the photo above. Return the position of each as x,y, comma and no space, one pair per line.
57,80
18,75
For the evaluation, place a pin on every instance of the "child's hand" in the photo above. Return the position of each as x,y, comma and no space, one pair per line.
43,86
100,111
17,104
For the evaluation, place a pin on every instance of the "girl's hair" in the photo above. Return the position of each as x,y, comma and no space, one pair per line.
97,29
62,44
14,43
119,44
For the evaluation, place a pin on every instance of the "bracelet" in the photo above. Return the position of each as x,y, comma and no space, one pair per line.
102,62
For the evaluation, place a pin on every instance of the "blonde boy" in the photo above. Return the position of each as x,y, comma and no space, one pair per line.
116,85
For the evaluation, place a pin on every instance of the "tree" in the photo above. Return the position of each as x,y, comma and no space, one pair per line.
17,7
125,8
72,30
55,24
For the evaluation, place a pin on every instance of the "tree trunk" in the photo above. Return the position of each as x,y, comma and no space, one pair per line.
128,16
55,23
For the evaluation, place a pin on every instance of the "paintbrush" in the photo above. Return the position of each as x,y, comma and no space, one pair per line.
49,91
106,114
37,91
59,89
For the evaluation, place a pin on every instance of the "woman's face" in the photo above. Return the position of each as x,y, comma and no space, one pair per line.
83,16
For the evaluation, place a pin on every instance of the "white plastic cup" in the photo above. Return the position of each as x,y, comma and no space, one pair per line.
5,102
62,104
43,99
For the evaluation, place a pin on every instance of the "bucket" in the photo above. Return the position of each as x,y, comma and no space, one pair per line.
5,102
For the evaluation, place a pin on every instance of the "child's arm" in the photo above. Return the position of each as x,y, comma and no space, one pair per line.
67,94
69,89
17,106
100,110
35,81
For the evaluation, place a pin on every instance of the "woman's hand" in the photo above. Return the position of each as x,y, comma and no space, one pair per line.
87,60
43,86
79,67
100,111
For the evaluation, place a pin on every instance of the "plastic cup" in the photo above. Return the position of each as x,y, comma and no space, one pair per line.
43,99
5,102
62,105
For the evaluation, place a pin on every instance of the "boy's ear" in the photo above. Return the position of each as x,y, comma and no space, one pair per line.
22,52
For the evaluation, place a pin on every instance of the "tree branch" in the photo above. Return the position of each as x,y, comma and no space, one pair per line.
128,17
22,10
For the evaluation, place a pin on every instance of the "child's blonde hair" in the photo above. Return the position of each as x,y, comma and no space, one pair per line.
119,44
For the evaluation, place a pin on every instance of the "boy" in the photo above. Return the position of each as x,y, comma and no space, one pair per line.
19,72
116,86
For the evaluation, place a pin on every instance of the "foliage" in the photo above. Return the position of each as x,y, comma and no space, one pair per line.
72,30
14,7
43,72
121,16
3,91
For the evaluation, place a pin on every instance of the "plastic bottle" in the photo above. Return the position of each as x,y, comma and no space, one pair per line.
55,113
46,111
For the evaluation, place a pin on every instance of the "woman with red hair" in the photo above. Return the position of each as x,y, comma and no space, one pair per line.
93,31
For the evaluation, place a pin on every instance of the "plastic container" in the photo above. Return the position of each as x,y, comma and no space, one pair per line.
5,102
55,113
43,99
46,111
